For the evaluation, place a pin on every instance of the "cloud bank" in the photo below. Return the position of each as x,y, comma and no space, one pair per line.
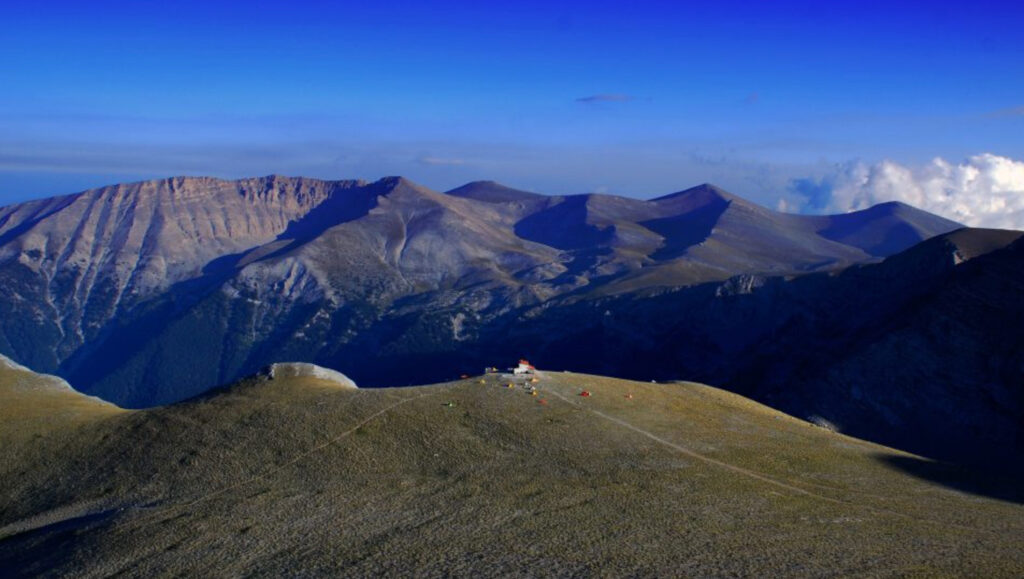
985,190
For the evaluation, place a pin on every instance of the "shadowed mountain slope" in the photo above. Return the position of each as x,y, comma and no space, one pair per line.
493,192
922,351
884,229
71,265
113,287
298,475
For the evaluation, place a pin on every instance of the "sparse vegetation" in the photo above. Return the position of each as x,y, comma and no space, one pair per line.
297,475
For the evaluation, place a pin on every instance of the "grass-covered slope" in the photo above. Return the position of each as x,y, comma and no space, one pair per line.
33,405
297,475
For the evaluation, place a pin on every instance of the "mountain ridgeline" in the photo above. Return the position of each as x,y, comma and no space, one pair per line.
149,293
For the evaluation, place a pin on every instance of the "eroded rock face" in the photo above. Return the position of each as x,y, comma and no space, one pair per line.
150,293
74,264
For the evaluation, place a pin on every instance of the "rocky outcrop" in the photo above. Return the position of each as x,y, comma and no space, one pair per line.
306,370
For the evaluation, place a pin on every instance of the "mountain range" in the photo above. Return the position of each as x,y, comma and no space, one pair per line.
878,322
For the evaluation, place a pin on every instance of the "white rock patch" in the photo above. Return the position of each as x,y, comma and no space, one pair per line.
304,369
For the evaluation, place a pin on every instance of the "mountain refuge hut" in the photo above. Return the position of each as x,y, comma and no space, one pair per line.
524,367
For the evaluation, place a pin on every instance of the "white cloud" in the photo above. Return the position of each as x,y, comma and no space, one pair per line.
985,190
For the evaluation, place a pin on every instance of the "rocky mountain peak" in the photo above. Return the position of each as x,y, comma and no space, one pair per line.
704,191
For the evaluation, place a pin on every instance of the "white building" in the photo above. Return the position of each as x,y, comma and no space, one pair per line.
524,367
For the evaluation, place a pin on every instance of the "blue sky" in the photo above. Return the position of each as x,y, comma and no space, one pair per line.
636,98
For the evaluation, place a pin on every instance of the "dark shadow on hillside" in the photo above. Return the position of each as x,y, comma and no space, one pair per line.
31,222
32,553
564,226
582,262
684,231
878,240
342,206
1003,486
121,338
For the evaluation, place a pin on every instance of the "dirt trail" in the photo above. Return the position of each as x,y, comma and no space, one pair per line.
693,454
749,473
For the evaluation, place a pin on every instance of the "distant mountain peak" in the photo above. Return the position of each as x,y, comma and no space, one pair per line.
884,208
707,190
886,228
492,192
393,181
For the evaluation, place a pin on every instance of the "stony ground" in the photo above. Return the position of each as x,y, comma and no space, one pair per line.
295,476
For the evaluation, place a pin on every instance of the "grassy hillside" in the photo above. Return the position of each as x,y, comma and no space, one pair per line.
297,475
38,405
